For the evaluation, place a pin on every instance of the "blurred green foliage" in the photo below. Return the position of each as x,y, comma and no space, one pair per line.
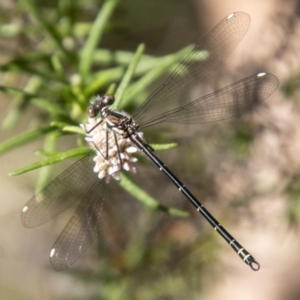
64,66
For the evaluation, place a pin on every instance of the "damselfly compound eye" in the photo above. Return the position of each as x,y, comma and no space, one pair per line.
91,112
108,99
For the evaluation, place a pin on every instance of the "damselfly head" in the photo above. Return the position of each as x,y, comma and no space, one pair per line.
96,106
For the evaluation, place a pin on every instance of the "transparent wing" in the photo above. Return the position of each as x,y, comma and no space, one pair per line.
201,62
82,228
59,194
225,103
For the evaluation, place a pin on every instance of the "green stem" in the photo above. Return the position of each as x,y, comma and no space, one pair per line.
150,202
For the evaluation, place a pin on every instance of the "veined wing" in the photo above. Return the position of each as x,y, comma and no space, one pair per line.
82,228
207,56
228,102
60,193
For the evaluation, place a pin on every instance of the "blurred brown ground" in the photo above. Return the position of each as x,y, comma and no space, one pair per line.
271,172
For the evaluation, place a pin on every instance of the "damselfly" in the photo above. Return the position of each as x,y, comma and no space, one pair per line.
114,136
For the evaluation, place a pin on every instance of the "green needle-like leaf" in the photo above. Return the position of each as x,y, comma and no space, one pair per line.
103,78
58,68
16,92
68,128
14,114
25,137
78,152
48,28
74,129
94,37
37,101
128,75
168,63
22,65
111,89
105,57
44,173
161,147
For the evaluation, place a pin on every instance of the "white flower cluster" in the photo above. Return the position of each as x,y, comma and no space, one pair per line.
107,165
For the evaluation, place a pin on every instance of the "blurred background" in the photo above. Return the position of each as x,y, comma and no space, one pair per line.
245,171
